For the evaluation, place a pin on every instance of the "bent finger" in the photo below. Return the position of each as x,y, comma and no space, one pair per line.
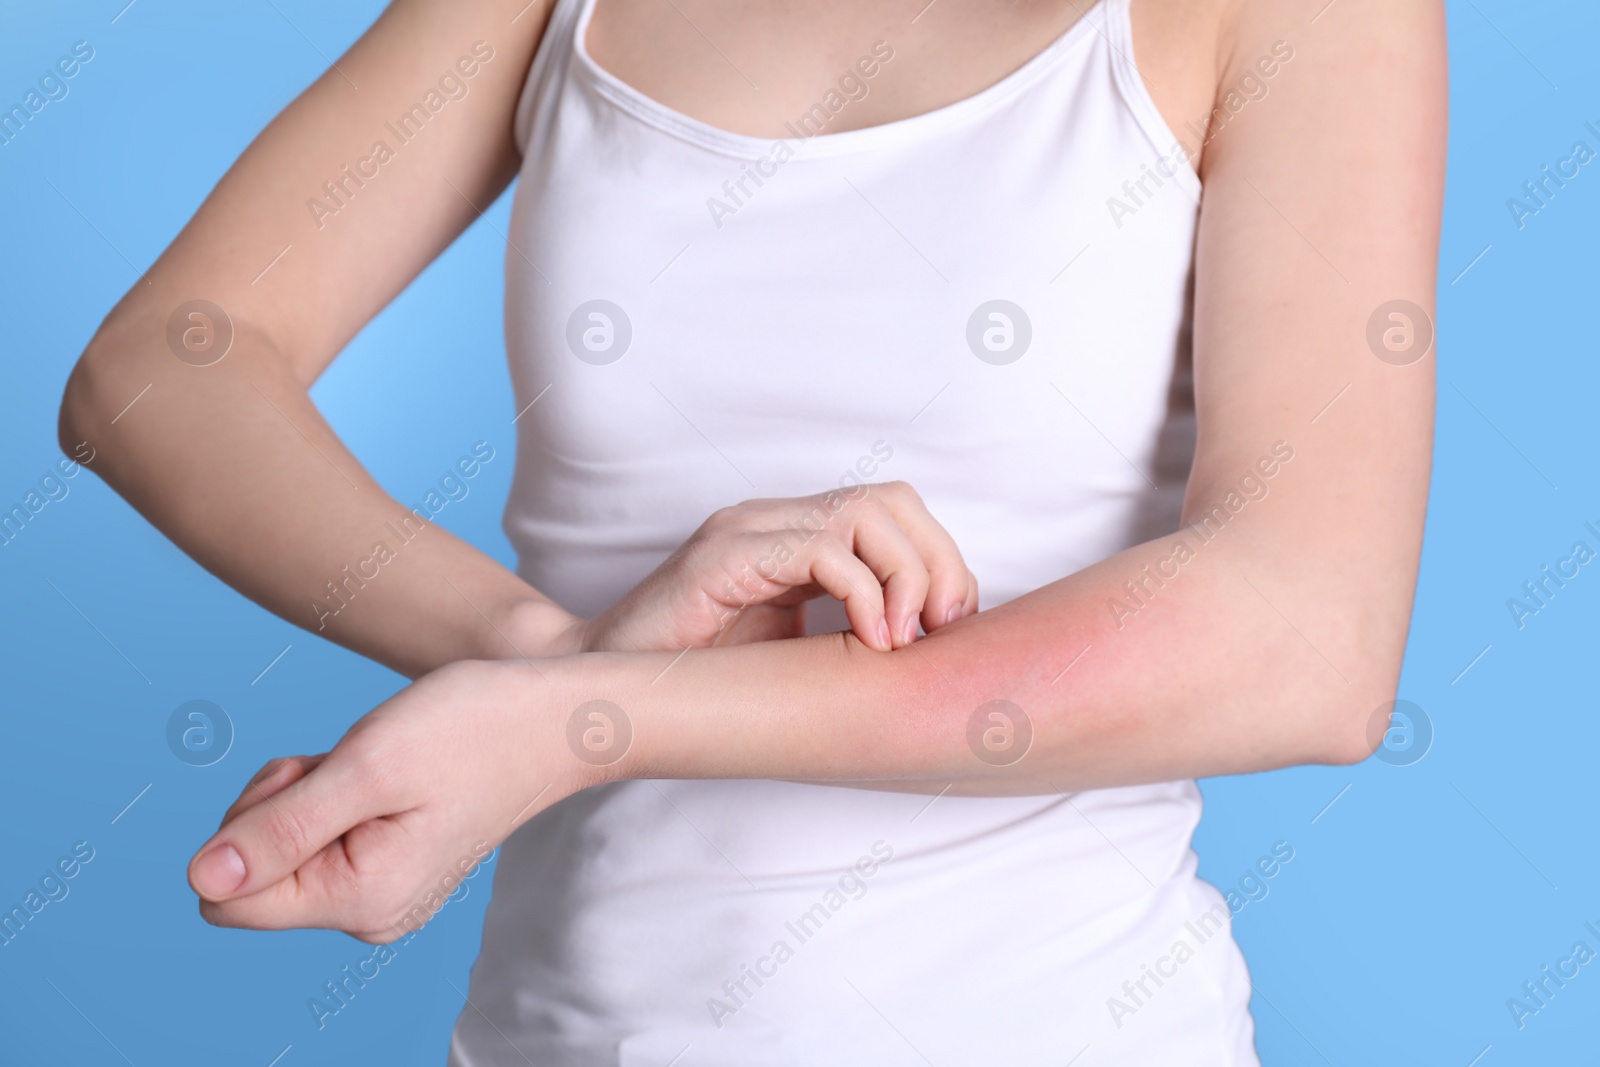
273,778
885,547
952,589
843,576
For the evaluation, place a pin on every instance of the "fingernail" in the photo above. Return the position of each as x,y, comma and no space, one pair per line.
219,871
883,634
953,614
910,628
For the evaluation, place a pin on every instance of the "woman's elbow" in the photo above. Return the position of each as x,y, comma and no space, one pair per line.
1359,721
126,358
74,418
1347,684
97,393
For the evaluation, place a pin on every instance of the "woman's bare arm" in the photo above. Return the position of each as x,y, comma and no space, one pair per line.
1276,642
229,457
232,460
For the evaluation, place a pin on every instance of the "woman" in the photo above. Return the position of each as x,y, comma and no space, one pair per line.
1148,337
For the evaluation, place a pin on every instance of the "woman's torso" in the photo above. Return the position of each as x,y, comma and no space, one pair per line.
697,317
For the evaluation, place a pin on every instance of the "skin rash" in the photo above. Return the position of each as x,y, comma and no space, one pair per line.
826,708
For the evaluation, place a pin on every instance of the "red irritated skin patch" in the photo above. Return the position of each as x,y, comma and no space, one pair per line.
1208,679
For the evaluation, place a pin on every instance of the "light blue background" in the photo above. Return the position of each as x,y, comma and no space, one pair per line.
1414,907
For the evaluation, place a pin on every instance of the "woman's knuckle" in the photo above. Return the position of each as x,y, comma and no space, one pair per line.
268,769
905,493
380,771
734,516
283,832
825,548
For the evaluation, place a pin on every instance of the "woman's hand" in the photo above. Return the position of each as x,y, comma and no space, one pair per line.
372,837
747,572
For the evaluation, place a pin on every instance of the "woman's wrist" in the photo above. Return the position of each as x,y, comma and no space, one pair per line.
825,708
534,627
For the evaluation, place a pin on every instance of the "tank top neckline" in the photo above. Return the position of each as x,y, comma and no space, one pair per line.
746,146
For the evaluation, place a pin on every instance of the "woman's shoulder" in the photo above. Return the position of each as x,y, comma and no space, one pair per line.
1179,48
1205,60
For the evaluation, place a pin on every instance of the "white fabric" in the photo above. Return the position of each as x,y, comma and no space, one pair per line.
821,326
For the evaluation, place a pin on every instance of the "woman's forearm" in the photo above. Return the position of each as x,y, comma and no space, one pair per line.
1205,678
235,464
227,455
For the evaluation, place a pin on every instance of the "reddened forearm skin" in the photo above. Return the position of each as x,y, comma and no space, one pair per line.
1169,698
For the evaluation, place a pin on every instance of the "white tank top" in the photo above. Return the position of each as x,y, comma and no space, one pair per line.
695,318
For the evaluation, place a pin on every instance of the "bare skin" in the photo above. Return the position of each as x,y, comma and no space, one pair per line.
1276,647
951,52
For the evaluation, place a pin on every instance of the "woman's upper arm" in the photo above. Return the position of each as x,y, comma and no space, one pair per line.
1314,296
412,128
